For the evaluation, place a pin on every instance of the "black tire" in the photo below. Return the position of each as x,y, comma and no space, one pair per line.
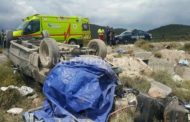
99,46
9,37
73,42
49,53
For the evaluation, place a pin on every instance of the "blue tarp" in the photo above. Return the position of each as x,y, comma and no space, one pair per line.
78,89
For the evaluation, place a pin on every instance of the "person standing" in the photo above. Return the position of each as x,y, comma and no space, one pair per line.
108,35
112,36
101,33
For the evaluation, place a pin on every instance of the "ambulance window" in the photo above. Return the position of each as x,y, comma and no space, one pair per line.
32,27
22,26
85,27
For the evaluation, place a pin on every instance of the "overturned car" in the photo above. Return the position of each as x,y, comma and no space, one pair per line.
35,57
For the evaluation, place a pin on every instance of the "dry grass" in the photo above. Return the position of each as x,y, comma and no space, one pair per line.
144,45
173,45
123,116
9,98
7,77
140,84
157,55
180,89
12,98
186,47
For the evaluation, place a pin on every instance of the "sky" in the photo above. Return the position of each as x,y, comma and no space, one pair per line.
128,14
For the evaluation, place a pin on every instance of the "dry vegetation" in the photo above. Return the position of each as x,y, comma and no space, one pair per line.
157,55
180,89
138,83
173,45
144,45
123,116
186,47
11,97
7,77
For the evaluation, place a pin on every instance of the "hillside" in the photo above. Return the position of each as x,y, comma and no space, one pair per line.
171,32
94,28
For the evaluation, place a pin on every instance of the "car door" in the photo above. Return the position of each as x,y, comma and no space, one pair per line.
135,35
141,34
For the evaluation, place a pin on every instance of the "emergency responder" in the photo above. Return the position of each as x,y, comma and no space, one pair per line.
112,36
101,33
108,35
2,37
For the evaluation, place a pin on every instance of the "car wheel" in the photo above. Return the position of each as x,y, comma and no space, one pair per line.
99,46
49,53
73,42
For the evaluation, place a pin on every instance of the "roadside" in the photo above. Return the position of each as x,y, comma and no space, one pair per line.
152,68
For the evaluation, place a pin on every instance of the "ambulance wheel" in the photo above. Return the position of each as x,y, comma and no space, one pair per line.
9,37
99,47
73,42
49,53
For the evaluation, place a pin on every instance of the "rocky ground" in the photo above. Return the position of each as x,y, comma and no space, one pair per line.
155,69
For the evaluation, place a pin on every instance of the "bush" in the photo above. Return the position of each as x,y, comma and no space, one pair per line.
123,116
186,47
7,77
180,89
164,77
140,84
9,98
144,45
157,55
173,45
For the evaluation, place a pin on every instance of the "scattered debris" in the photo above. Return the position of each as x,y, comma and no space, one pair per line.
131,66
36,102
143,55
15,110
82,104
177,78
148,109
183,62
174,56
175,112
24,90
183,72
75,97
127,100
33,96
121,51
